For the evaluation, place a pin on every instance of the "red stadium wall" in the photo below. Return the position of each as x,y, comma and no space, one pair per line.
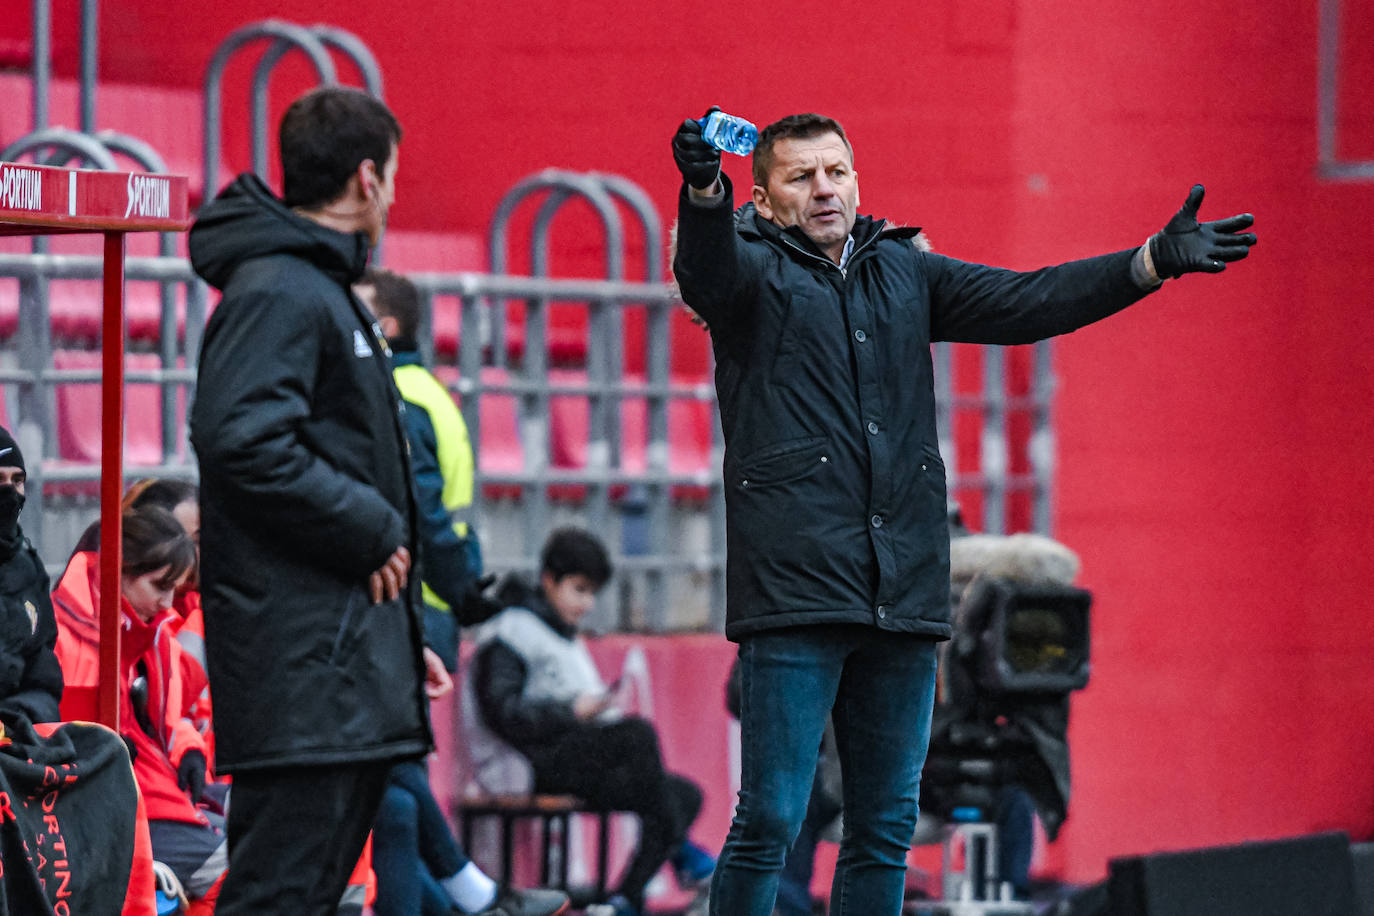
1210,439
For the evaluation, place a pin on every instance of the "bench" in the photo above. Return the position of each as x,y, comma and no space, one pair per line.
554,812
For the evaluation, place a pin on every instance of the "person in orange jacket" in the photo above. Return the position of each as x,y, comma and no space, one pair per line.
186,626
170,754
182,499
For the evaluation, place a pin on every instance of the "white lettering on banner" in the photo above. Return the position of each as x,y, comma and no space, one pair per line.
21,188
149,196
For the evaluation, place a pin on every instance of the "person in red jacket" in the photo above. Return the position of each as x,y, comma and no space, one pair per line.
182,499
171,756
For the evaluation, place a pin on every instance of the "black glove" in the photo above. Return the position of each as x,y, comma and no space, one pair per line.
477,607
191,775
697,160
1186,246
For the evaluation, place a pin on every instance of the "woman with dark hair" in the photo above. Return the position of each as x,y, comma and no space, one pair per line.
171,756
182,499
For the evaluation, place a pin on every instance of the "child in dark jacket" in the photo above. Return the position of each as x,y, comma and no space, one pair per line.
538,691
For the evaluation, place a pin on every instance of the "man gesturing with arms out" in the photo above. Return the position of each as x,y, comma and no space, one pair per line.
836,539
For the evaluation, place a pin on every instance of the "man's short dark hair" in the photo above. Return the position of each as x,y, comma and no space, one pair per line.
325,135
573,552
396,297
792,127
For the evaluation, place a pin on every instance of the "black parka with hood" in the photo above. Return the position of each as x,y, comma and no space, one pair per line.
30,677
305,491
834,488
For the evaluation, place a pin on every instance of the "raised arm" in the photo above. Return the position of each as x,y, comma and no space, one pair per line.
710,262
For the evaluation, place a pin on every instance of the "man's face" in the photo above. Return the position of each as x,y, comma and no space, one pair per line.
13,477
812,185
383,191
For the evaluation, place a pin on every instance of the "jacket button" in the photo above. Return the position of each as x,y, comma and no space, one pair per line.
882,612
877,521
873,427
860,336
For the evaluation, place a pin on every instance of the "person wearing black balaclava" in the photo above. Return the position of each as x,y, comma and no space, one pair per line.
30,678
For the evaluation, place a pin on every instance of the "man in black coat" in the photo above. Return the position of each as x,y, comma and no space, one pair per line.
837,549
313,632
30,677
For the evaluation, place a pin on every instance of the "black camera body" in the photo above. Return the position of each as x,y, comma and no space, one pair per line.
1019,650
1026,639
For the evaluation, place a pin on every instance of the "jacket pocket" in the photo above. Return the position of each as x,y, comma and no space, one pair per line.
788,338
783,462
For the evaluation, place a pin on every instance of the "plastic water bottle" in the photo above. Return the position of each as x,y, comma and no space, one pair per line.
729,133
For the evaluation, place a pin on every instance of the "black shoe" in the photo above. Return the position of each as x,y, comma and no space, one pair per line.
535,901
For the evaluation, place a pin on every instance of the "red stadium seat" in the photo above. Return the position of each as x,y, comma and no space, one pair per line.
689,435
78,411
500,450
9,307
166,118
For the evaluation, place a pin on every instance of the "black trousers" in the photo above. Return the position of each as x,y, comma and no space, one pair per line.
295,835
617,767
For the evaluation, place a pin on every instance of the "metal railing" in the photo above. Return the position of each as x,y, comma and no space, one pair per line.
680,560
659,542
475,293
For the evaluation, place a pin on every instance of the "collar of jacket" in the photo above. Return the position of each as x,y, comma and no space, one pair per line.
749,223
517,592
404,351
247,221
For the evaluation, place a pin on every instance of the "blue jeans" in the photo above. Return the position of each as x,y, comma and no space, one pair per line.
880,687
794,883
412,846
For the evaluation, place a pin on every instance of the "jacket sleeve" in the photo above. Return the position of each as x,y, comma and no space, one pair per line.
40,686
445,557
973,303
498,676
185,687
254,394
717,272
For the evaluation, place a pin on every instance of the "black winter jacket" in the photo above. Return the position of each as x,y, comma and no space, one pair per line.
834,487
30,677
305,491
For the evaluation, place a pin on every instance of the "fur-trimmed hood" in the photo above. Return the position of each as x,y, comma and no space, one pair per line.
746,218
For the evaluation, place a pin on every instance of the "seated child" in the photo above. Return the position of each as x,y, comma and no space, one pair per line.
536,690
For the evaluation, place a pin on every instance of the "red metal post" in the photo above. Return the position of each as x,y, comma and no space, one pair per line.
111,478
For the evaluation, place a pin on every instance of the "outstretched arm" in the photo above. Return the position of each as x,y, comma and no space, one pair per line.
971,303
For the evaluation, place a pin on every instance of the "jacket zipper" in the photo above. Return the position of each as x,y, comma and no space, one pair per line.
844,271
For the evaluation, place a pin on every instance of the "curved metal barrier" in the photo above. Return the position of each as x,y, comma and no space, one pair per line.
293,36
329,36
